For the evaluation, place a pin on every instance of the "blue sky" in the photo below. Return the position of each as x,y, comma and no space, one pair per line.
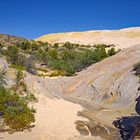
33,18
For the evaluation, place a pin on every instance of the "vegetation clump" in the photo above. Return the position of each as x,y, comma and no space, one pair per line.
72,60
14,111
69,58
136,68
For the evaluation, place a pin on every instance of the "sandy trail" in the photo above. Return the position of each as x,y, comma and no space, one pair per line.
55,119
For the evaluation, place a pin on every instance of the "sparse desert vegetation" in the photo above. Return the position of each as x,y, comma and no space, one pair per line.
15,115
100,83
70,70
61,59
137,68
26,55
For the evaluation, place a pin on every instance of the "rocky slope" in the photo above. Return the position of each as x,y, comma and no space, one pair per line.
83,107
105,91
9,40
122,38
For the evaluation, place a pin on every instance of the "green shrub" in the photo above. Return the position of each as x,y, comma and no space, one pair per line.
53,54
17,115
66,57
1,45
14,56
111,51
14,110
71,60
56,45
26,45
2,78
54,74
41,55
42,69
17,67
136,68
58,72
68,45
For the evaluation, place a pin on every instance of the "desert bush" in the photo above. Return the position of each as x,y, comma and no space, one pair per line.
17,115
1,45
14,56
41,55
53,55
66,57
72,61
1,48
111,51
2,78
136,68
56,45
26,45
68,45
19,60
54,74
17,67
14,110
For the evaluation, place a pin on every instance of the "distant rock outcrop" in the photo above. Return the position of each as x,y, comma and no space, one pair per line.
9,40
122,38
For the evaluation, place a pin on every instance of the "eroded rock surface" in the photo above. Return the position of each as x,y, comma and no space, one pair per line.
104,91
